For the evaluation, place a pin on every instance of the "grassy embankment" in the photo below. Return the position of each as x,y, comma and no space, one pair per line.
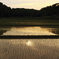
27,21
9,22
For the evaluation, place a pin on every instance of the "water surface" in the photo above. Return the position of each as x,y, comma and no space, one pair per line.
29,49
36,30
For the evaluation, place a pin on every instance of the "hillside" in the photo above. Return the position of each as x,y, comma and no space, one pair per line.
6,11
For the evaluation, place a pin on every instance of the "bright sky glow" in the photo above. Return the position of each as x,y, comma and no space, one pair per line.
31,4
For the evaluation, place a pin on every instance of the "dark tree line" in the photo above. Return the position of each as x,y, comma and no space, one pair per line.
4,10
22,12
50,10
17,12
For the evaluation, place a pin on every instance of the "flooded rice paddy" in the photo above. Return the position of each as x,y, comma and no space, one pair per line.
29,48
30,31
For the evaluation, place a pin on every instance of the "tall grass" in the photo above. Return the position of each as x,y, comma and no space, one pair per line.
28,21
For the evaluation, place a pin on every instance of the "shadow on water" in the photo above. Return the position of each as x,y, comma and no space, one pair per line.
54,29
2,31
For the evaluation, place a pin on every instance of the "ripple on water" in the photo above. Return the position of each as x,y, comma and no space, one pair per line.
29,49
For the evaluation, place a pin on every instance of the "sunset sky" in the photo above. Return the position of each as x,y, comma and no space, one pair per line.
31,4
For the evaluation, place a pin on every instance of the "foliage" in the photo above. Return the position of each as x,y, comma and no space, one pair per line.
22,12
50,10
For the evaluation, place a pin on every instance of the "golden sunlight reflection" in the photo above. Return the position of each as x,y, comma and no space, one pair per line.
29,49
28,31
29,43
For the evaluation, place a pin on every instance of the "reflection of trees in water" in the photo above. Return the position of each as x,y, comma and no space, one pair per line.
55,31
2,31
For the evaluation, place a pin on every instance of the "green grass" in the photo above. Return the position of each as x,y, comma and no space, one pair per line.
27,21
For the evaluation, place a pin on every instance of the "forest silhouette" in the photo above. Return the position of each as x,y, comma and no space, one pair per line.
6,11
